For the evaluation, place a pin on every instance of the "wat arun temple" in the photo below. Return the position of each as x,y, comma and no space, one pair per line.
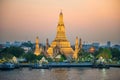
60,44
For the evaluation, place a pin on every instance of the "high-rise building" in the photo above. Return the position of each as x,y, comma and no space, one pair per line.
108,44
61,40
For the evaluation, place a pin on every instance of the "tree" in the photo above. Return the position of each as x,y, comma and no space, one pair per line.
15,51
81,53
49,59
7,56
27,44
105,53
63,57
115,53
39,57
30,56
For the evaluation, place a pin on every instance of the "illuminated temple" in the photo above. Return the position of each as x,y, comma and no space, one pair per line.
60,45
37,49
60,41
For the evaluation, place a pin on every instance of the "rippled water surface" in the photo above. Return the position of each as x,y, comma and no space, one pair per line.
61,74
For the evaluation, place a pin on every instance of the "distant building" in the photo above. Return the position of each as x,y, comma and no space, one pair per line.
17,44
7,44
116,46
96,45
108,44
86,47
91,47
1,46
26,49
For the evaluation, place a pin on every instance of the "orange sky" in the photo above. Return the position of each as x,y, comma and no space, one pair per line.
92,20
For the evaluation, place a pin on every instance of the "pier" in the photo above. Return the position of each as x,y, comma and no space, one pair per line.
68,65
60,65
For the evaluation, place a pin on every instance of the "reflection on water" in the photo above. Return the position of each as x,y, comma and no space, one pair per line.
103,74
61,74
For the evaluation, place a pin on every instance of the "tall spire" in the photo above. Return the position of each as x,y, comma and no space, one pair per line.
60,29
37,49
80,43
61,10
60,39
47,43
75,55
60,18
76,43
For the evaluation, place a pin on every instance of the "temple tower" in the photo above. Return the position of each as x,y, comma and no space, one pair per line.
60,29
61,39
37,49
80,42
47,44
77,48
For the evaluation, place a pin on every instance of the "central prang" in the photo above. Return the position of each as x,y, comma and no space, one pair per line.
60,41
60,45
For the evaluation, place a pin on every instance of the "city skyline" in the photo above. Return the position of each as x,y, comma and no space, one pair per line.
93,21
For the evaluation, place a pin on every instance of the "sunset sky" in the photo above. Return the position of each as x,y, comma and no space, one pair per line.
92,20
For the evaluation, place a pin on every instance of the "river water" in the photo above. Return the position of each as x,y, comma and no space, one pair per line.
61,74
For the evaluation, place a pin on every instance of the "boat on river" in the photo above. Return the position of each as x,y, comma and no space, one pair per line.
7,66
39,66
101,66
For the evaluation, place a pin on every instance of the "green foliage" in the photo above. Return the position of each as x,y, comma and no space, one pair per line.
63,57
39,57
6,56
27,44
50,59
115,53
85,56
30,56
101,49
81,53
15,51
105,53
